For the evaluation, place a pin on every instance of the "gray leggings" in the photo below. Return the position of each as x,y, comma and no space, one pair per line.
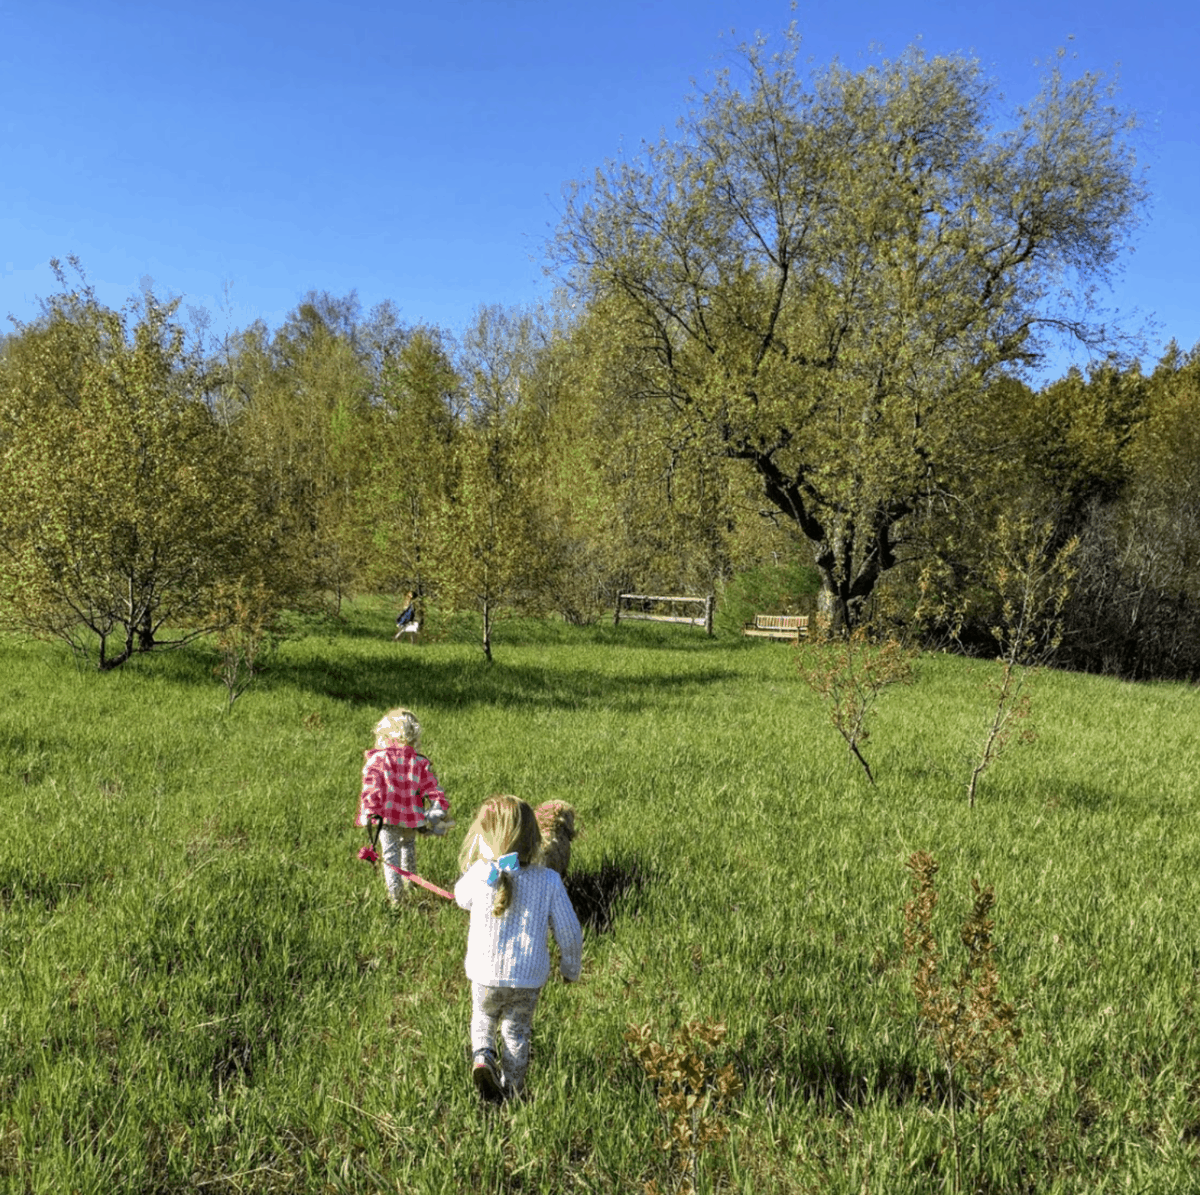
398,846
510,1010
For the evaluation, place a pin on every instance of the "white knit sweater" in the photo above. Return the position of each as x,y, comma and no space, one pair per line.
512,950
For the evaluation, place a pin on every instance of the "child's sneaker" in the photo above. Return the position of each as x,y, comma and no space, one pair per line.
486,1074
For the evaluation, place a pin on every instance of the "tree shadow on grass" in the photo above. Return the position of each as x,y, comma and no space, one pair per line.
347,665
1080,795
42,891
447,685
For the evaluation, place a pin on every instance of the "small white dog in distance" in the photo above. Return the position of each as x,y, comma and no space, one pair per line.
556,820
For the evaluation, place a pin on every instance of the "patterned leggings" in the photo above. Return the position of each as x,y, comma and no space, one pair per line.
511,1011
398,846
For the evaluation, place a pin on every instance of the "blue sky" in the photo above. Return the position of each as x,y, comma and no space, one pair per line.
243,154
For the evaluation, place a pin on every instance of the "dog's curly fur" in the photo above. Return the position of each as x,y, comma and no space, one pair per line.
556,820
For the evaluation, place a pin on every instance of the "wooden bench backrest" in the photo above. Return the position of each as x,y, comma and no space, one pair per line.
780,622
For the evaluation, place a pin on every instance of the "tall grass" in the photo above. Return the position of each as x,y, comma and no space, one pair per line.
202,988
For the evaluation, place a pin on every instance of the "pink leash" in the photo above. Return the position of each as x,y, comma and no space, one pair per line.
371,857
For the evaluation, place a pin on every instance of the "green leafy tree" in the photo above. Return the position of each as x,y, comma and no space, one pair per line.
300,410
629,506
820,277
491,553
416,422
575,503
120,501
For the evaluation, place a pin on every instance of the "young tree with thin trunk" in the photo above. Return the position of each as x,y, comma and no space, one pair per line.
415,426
1028,573
491,554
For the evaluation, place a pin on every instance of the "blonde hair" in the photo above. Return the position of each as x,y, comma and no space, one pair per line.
503,824
398,726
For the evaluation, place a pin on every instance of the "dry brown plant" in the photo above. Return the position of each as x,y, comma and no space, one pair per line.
691,1091
973,1031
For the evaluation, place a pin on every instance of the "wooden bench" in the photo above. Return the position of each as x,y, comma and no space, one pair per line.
778,626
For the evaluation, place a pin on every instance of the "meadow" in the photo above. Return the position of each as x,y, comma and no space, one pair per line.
203,989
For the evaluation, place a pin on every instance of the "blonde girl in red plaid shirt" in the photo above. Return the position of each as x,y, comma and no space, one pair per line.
397,784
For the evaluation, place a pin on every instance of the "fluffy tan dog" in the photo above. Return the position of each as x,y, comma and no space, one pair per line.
556,820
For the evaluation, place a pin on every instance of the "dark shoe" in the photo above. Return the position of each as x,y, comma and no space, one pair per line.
486,1075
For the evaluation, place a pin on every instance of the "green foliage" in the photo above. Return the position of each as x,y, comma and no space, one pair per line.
492,551
627,505
768,589
1077,436
820,277
411,466
301,426
1136,606
487,556
248,633
121,505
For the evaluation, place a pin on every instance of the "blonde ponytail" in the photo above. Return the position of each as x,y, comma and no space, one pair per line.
504,890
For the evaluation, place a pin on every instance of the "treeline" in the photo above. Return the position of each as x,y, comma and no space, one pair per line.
159,483
796,331
1117,460
1093,478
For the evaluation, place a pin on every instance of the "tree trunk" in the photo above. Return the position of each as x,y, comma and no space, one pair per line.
146,632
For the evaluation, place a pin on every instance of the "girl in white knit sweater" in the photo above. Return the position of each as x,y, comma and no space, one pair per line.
514,904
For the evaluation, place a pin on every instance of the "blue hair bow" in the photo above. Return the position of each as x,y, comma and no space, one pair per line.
504,863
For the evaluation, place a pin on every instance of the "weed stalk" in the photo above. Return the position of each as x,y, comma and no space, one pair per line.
973,1031
691,1091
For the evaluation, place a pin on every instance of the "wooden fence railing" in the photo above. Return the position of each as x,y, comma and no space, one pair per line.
639,606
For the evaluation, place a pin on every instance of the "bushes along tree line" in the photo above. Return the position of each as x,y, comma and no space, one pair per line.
796,333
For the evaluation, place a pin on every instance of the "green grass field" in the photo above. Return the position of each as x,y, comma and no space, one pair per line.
202,988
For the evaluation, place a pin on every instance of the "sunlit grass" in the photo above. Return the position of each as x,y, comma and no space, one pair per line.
199,983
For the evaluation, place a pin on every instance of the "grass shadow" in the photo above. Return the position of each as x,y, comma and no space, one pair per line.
795,1058
1082,796
601,892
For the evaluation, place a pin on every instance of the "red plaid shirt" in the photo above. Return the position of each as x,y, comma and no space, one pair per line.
396,784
